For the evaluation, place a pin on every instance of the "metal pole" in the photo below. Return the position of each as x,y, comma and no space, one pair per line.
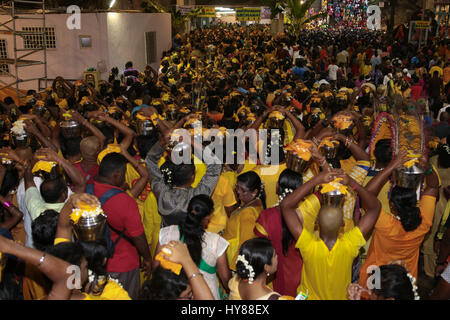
45,43
16,67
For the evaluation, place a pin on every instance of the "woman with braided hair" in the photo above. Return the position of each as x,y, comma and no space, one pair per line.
207,249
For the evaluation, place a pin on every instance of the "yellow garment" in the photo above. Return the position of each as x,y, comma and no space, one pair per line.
326,274
289,132
131,177
112,291
223,196
60,240
269,175
309,209
348,164
151,222
239,229
34,284
233,284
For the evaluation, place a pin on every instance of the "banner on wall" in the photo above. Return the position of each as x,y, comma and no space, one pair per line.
184,10
248,14
208,12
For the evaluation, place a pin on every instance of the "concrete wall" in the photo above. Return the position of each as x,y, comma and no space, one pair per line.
126,37
116,39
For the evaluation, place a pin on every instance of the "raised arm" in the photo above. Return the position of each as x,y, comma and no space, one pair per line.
32,129
93,129
139,186
299,128
289,204
78,181
374,186
354,148
178,252
128,133
55,269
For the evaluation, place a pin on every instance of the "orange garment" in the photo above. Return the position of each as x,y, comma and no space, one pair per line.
215,116
391,242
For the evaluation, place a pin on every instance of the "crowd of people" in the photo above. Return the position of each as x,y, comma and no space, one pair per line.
329,218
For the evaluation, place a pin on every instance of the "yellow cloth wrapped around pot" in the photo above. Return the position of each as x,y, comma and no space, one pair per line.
300,148
46,166
333,186
276,114
111,148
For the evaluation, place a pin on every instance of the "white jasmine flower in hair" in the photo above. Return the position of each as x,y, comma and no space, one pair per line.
251,272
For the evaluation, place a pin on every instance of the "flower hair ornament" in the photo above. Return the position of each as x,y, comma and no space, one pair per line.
251,272
413,283
286,192
168,174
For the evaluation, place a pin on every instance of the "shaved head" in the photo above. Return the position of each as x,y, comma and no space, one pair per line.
330,220
90,147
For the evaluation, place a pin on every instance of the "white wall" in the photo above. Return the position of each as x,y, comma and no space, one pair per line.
126,37
116,39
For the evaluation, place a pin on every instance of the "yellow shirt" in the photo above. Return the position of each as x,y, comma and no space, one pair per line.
223,196
232,175
269,175
112,291
326,274
239,229
151,222
131,177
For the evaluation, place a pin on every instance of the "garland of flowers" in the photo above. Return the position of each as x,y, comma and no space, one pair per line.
285,193
413,283
251,271
168,174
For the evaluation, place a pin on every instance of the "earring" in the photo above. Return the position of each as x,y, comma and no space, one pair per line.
268,274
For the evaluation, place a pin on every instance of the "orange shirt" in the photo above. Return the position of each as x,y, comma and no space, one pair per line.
391,242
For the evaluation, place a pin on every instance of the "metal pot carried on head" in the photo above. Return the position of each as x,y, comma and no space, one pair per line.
90,228
70,129
296,163
144,127
333,199
329,151
408,177
20,140
276,120
172,113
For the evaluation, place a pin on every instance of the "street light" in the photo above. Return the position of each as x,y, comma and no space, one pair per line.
113,2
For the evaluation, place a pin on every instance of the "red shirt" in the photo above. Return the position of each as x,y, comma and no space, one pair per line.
121,212
416,92
89,176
